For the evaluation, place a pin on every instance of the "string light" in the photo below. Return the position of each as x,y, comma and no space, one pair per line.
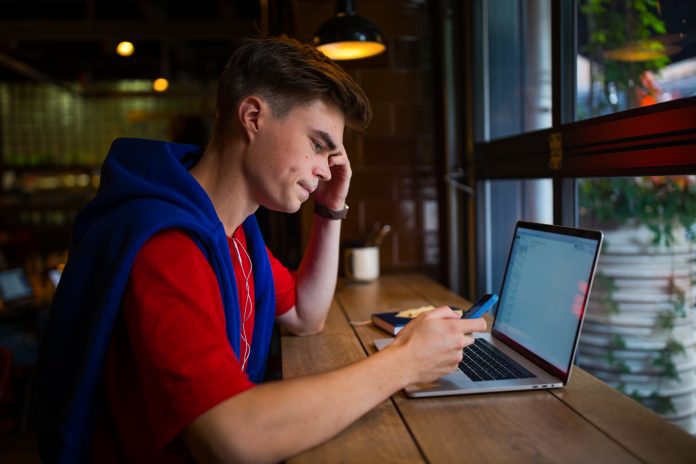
160,85
125,48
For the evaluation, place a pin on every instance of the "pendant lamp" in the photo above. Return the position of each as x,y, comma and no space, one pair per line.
348,36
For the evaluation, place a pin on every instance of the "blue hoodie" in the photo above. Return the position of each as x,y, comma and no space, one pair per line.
145,188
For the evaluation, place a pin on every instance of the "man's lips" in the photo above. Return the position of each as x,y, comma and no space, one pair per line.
308,187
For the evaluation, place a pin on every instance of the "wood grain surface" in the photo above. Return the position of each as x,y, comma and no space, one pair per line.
587,421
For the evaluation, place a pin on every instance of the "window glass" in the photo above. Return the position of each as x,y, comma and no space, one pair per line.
514,68
634,53
508,201
638,334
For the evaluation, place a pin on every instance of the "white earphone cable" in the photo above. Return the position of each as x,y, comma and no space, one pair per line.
246,312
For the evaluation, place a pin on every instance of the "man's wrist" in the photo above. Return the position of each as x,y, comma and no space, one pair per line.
405,371
323,211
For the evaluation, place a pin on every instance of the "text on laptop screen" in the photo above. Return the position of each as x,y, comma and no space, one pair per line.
543,293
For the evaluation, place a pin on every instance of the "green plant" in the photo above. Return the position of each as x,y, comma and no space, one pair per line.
658,202
607,284
617,342
654,401
665,360
616,363
622,50
658,403
664,205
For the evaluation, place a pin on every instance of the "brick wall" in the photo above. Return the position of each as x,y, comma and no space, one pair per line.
394,161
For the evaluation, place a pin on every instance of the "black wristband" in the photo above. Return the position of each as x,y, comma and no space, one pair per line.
323,211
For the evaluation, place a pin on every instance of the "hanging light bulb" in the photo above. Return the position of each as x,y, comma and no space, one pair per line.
348,36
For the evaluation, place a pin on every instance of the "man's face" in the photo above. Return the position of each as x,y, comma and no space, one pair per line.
289,156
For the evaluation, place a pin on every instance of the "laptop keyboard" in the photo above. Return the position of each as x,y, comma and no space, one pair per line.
483,361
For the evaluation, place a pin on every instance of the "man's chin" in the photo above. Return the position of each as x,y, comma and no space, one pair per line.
293,208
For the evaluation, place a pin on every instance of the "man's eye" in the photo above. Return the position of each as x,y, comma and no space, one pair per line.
316,146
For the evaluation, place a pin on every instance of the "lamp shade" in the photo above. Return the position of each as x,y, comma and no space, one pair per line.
348,36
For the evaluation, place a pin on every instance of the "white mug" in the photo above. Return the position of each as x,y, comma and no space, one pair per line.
361,263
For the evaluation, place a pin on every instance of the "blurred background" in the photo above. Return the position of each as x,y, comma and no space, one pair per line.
66,94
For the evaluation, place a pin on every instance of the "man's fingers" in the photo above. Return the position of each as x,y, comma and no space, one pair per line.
443,312
339,159
475,325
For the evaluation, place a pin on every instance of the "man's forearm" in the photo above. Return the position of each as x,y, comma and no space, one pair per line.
316,278
276,420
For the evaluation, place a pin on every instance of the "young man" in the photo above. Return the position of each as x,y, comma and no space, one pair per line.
161,324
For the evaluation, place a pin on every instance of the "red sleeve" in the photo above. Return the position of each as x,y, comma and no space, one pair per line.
284,282
173,311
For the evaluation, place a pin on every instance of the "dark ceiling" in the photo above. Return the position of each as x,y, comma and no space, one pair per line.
75,40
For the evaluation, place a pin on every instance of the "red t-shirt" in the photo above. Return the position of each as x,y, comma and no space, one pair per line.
169,359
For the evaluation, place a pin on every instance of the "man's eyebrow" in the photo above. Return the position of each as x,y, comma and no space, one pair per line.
327,140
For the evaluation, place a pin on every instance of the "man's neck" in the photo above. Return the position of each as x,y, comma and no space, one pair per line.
219,173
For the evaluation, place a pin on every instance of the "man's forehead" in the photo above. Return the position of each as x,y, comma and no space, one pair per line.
326,120
324,107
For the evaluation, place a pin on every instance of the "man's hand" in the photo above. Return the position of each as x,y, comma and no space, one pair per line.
434,342
332,193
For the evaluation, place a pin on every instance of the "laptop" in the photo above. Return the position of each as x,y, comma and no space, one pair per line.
14,286
538,319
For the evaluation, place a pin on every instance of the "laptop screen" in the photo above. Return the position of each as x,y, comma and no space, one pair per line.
14,285
545,289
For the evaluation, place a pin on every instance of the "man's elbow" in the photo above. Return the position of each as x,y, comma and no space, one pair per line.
215,441
232,451
300,321
310,328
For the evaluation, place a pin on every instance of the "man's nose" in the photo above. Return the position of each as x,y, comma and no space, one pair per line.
322,170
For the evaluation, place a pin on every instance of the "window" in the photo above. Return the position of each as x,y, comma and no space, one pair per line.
515,50
516,53
619,134
506,202
633,53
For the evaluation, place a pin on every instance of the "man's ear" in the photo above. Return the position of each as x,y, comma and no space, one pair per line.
249,112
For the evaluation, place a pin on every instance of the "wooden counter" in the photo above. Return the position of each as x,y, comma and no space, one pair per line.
587,421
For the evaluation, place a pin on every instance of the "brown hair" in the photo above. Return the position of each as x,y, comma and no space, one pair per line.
285,73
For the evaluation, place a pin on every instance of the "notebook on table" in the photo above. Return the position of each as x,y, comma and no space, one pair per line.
538,319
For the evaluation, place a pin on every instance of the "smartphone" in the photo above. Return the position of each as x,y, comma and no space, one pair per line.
481,307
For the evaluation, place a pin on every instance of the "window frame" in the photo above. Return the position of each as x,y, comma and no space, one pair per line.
655,140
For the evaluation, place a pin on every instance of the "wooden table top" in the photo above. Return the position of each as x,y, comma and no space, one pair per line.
587,421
